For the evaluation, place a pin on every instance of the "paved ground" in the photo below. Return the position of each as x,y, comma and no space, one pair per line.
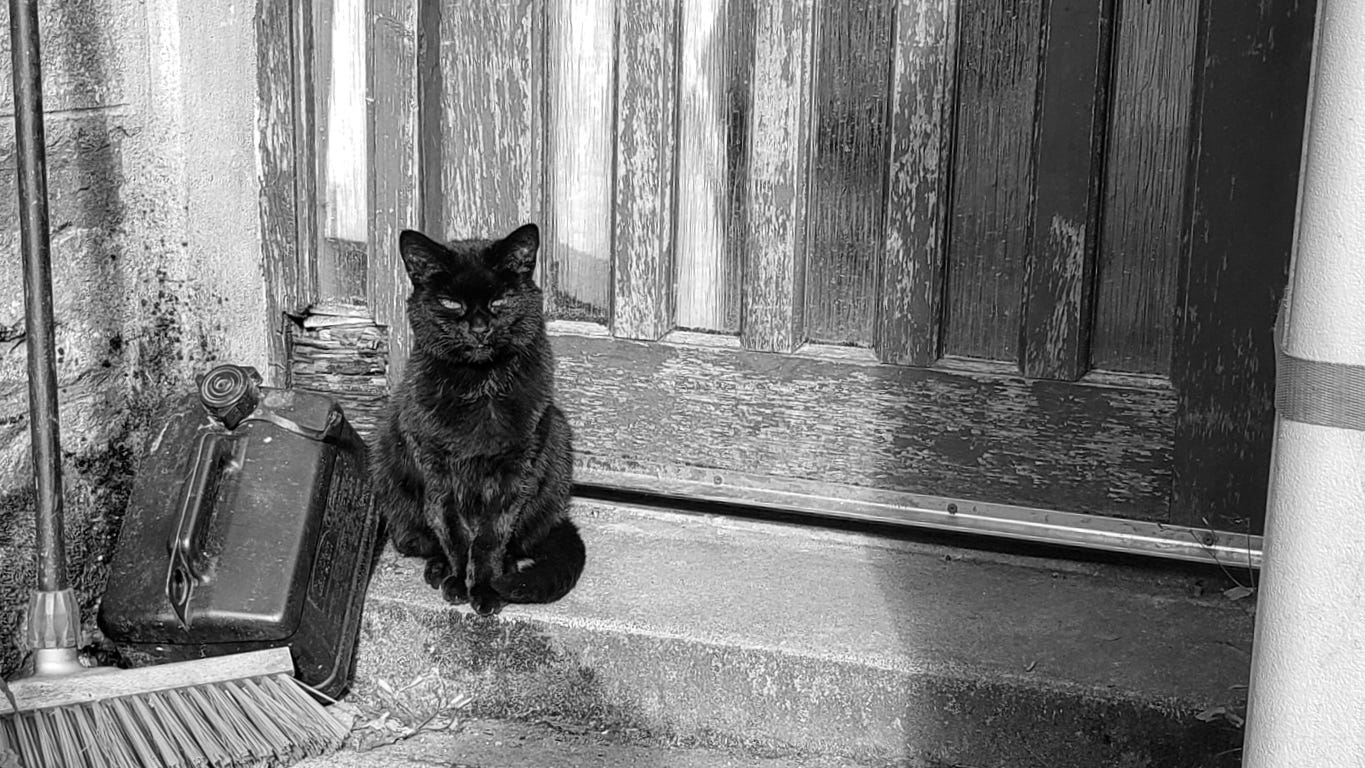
499,744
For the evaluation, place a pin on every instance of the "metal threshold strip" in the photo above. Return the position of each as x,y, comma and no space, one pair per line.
1135,537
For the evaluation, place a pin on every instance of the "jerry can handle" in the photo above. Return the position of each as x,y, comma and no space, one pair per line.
214,457
229,393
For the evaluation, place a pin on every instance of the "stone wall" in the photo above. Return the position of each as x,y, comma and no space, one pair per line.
151,118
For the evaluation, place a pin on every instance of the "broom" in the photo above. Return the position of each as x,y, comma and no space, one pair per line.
230,710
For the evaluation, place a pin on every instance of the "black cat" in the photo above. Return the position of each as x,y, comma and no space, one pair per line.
473,468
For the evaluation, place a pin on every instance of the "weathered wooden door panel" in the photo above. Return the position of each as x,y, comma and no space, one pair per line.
643,407
715,60
1073,93
921,247
641,264
910,303
580,58
482,72
993,173
848,171
1149,143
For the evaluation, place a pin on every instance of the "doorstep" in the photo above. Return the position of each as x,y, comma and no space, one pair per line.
729,633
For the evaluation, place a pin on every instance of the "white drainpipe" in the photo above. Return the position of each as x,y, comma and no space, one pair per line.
1307,697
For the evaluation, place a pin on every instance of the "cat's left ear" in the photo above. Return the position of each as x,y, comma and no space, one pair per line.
518,250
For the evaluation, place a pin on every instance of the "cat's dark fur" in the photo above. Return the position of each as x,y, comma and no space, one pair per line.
472,469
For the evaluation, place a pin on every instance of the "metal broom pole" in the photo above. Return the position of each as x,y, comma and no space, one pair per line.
54,621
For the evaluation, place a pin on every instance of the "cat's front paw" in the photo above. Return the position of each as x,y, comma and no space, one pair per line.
485,600
414,543
453,590
438,568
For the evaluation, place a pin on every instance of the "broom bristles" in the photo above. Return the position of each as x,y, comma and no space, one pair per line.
265,720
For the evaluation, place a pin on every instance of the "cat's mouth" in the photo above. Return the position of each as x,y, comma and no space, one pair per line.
480,353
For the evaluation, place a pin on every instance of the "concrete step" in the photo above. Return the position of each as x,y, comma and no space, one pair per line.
721,632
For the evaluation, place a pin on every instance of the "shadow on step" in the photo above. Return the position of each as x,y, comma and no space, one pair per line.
1077,667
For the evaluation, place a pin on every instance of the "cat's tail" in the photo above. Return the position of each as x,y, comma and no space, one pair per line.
557,563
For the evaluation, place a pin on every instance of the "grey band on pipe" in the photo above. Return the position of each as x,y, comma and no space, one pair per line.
1314,392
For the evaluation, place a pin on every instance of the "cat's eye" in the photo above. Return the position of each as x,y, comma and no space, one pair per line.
453,305
497,305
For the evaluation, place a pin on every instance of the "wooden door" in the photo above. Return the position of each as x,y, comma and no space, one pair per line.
958,263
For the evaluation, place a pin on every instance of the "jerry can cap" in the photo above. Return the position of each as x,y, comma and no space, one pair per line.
230,393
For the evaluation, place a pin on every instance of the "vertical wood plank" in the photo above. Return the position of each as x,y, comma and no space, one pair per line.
277,170
393,140
305,152
342,129
925,52
646,133
1251,95
1144,194
581,59
491,133
779,160
848,170
993,176
716,52
342,118
1070,161
430,120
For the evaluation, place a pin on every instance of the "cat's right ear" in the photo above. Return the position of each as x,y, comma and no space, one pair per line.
422,256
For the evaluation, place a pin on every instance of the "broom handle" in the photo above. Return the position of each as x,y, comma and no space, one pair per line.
42,379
